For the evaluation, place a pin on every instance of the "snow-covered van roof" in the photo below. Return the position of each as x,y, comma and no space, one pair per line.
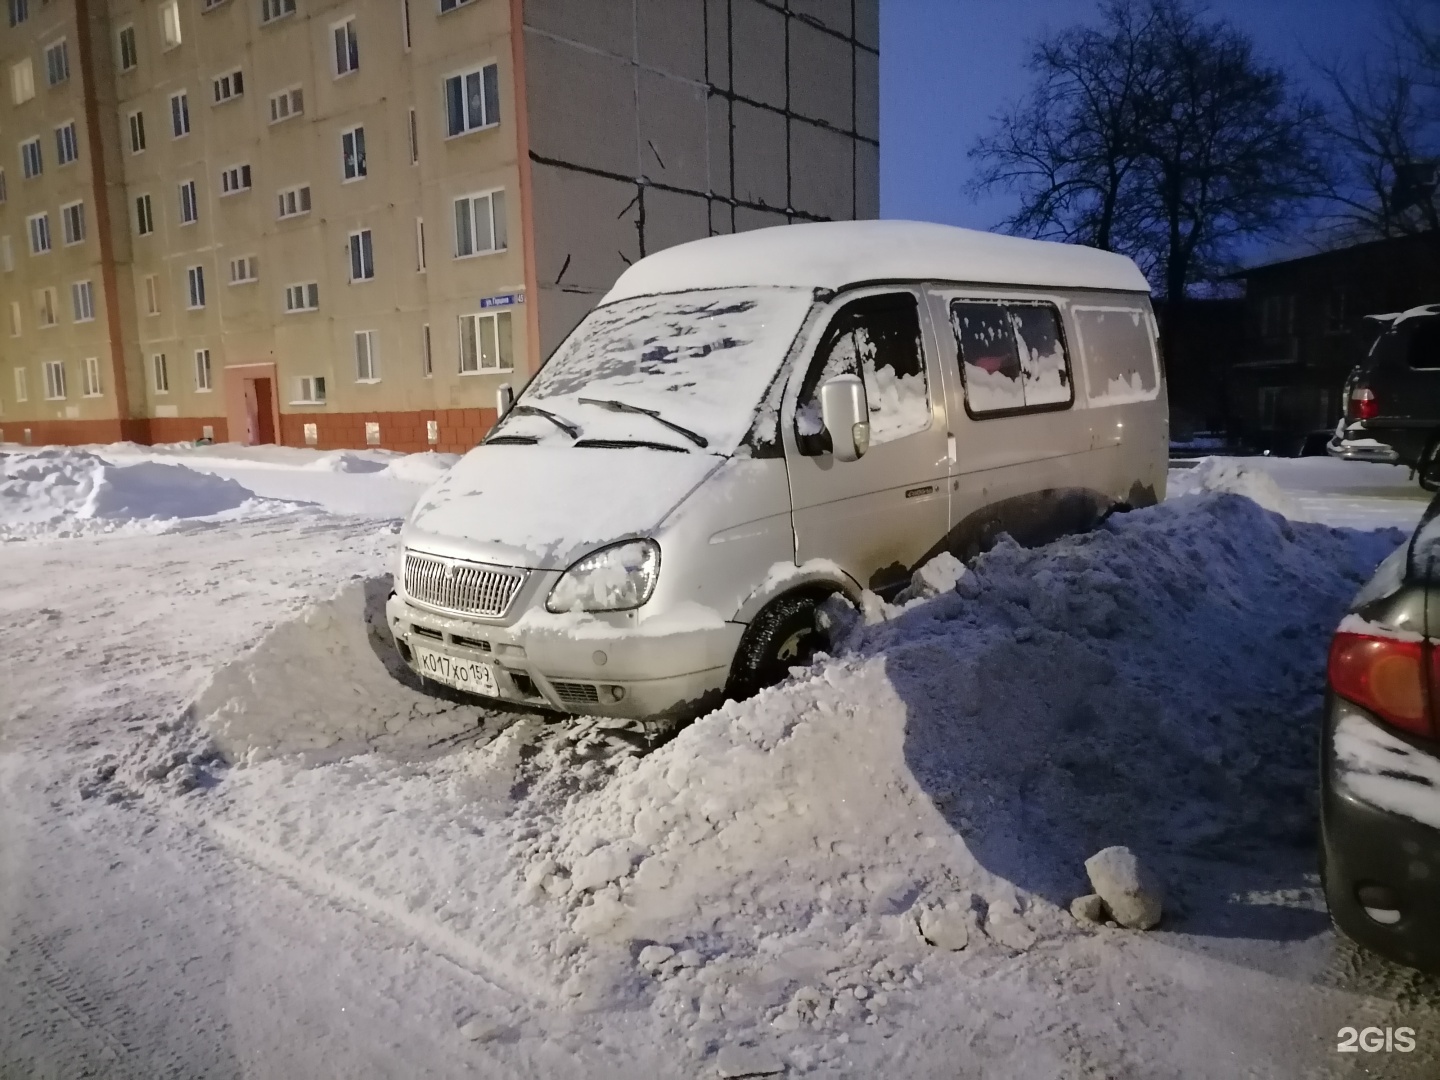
834,254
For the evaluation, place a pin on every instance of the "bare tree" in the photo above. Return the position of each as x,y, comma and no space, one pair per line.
1159,134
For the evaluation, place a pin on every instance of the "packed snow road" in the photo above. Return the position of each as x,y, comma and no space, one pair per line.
237,842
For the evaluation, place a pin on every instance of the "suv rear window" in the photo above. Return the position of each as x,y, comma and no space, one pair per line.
1424,350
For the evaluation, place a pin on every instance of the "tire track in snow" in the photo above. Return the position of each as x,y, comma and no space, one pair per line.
388,914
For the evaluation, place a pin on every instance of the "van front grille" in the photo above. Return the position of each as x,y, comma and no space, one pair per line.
576,693
462,588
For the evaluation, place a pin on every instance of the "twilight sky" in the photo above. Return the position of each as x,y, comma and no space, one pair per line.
947,66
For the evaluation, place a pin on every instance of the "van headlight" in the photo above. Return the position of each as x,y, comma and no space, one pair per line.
616,578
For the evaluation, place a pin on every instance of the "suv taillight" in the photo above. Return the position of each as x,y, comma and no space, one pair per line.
1393,679
1363,405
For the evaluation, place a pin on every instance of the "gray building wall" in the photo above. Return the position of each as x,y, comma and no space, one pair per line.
653,122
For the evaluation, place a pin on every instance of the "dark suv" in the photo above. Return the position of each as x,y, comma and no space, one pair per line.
1392,400
1380,758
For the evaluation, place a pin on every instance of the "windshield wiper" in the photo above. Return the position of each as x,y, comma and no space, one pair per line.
620,444
620,406
560,422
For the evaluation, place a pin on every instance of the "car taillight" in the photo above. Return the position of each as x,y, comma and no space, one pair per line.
1392,679
1363,405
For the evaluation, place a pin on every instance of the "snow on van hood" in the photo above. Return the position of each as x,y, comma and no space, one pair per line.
546,506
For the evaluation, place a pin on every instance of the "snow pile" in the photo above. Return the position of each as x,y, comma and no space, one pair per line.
351,461
966,756
1239,477
66,492
426,468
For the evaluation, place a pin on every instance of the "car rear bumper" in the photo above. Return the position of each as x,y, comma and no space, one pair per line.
1364,845
630,675
1363,450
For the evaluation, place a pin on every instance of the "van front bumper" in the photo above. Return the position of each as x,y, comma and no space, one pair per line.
626,674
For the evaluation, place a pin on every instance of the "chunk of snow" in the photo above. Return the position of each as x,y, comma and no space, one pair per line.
1239,478
1131,892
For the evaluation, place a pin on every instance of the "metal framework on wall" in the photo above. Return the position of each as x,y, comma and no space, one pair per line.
643,181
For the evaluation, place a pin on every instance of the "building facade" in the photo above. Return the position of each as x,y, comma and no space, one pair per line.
1306,329
349,223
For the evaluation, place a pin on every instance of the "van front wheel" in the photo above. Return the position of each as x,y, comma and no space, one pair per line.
782,636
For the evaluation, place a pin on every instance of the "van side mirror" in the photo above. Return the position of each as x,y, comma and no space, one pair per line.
846,416
504,399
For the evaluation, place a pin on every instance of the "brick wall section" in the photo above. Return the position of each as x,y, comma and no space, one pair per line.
460,429
77,432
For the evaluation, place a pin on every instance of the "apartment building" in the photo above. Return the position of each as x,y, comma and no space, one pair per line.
349,223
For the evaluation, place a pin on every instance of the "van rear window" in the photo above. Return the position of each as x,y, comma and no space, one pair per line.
1119,348
1424,347
1012,357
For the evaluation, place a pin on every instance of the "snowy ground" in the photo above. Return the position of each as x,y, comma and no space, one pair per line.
238,842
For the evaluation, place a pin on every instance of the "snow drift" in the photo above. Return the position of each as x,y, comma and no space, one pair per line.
1155,683
64,492
1239,477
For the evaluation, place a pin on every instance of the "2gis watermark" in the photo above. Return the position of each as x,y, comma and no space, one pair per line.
1374,1040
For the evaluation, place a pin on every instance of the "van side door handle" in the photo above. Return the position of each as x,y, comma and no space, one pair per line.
950,448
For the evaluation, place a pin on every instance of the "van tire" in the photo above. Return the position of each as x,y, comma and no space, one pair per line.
782,636
1427,469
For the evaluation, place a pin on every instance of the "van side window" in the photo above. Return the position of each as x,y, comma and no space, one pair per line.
878,339
1120,354
1012,357
1425,344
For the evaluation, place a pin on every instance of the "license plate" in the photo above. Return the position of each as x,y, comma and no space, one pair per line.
469,675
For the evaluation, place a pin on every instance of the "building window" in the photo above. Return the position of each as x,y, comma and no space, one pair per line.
234,179
1336,311
405,22
1269,406
229,86
202,371
286,104
39,233
46,302
210,5
451,5
4,191
420,245
22,387
152,294
295,201
7,254
362,256
57,63
472,100
170,24
54,380
347,47
427,364
485,343
15,319
179,115
352,150
22,81
32,162
367,363
270,10
304,297
137,133
309,390
19,11
195,276
144,220
82,301
244,269
72,217
189,206
414,140
160,370
92,376
129,56
480,224
67,144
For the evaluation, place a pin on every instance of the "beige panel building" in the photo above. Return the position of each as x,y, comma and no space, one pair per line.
339,224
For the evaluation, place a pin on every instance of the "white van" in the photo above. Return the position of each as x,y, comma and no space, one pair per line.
749,423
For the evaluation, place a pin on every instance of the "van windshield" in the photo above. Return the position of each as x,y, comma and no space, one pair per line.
699,360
